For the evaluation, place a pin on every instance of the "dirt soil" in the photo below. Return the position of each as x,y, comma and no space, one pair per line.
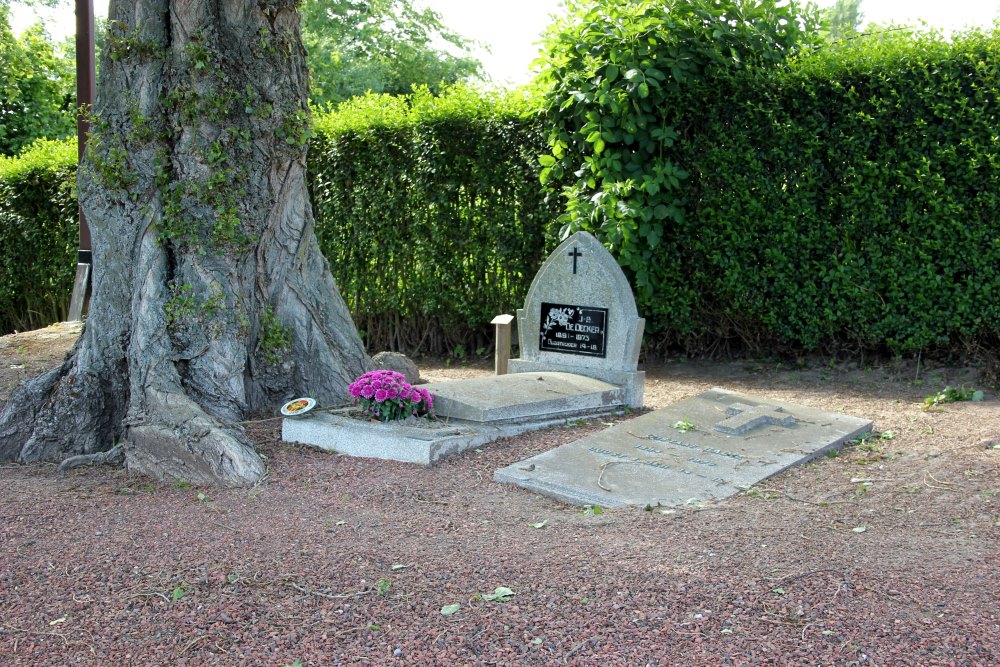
884,555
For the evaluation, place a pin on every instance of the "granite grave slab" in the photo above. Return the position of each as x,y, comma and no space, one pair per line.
580,335
397,441
523,395
736,442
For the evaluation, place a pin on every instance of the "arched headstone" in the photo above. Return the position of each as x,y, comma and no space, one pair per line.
580,317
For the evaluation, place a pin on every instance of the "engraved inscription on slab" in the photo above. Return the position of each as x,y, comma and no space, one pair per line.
573,329
743,418
648,461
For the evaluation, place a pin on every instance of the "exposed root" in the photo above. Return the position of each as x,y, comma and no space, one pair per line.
176,440
114,456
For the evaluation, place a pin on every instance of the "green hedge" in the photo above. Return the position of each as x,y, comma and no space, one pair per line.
38,234
849,201
432,216
843,199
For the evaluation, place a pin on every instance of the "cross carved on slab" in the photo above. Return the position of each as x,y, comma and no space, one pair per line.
743,418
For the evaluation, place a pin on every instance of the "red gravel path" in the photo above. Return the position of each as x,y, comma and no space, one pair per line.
103,568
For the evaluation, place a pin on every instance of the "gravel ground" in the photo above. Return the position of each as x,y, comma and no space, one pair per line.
339,561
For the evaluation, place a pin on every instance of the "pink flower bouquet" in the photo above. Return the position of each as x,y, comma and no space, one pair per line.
386,396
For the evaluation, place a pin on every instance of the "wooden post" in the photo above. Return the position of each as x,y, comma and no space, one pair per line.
502,342
86,85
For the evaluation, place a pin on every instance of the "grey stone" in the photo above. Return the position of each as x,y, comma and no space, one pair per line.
743,418
523,395
646,461
399,362
580,317
394,441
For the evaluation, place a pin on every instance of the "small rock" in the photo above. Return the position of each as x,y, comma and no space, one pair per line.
99,533
396,361
397,652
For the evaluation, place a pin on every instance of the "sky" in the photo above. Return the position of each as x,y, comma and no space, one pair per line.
511,29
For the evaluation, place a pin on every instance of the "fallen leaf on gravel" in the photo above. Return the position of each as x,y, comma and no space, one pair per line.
450,609
501,594
540,524
859,529
398,566
61,619
341,522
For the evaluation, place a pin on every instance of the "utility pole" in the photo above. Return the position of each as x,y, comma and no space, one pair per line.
86,91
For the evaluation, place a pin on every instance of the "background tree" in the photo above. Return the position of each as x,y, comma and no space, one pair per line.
37,87
211,299
383,46
843,19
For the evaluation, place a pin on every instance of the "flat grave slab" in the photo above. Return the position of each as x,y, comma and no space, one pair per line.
523,395
394,441
738,440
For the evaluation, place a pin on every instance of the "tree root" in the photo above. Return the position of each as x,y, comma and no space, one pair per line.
114,456
176,440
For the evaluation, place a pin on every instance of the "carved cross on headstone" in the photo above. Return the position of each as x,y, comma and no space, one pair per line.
575,254
743,418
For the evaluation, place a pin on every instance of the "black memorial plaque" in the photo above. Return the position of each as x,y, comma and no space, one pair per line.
573,329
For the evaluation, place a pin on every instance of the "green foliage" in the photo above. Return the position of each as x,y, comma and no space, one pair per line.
848,200
951,395
621,82
275,337
430,213
380,46
36,88
120,42
844,198
188,309
38,234
684,426
500,594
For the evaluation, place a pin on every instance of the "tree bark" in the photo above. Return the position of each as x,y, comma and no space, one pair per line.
211,300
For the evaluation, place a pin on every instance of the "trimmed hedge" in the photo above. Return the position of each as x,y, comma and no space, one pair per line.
845,201
38,234
432,216
848,201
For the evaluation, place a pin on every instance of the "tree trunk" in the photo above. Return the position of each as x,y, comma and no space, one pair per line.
211,300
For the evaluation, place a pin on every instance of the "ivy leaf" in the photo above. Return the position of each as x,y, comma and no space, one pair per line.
450,609
500,594
540,524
